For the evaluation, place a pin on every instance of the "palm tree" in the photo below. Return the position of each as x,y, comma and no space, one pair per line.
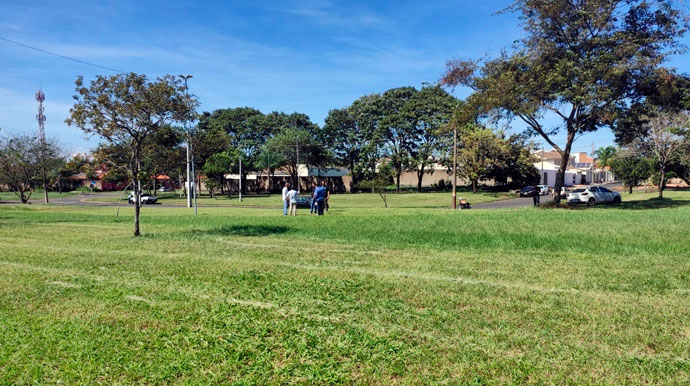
271,161
604,155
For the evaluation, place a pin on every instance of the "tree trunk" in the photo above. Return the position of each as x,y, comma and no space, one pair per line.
137,206
355,180
662,179
397,180
630,188
560,176
420,177
474,186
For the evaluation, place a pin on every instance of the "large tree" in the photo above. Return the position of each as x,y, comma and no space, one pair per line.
125,110
631,167
297,146
482,151
431,109
664,142
582,62
516,163
398,128
22,159
352,135
247,130
216,167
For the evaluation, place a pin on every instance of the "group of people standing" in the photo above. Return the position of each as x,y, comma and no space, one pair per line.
319,199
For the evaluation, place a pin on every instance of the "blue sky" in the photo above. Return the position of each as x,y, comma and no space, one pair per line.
306,56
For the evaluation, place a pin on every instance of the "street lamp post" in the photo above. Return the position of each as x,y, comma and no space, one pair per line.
455,166
191,183
240,179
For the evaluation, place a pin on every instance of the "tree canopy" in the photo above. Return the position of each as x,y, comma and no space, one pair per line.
584,62
126,110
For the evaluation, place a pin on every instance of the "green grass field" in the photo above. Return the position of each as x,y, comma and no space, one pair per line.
409,296
9,196
359,200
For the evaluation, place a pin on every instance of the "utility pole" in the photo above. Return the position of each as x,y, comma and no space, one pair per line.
40,97
240,178
189,187
455,166
591,167
542,165
193,179
191,183
297,152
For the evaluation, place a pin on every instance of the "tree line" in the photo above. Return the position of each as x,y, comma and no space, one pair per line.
587,65
662,154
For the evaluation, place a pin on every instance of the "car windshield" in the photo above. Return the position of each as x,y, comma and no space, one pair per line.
528,188
578,190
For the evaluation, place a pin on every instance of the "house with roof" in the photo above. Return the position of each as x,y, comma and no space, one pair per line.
580,170
337,177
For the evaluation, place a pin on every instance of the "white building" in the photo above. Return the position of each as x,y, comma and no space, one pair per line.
580,169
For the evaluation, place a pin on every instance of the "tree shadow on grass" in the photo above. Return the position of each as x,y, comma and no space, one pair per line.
243,230
652,203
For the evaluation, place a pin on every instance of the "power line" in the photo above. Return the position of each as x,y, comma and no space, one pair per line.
59,55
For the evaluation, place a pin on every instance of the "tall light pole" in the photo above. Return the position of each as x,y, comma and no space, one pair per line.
455,166
191,183
297,154
543,180
40,97
240,179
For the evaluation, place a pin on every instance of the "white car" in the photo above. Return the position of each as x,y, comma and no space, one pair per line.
593,195
544,189
144,199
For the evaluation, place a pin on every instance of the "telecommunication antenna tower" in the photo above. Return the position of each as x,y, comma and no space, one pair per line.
41,118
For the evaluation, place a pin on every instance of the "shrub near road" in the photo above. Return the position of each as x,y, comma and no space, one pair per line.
596,295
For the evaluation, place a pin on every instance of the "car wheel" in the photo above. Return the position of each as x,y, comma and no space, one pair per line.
591,202
616,200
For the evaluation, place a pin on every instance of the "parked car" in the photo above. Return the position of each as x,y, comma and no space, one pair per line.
593,195
564,192
303,201
165,189
544,189
145,198
530,191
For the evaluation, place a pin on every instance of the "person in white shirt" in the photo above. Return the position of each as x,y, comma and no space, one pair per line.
292,199
285,198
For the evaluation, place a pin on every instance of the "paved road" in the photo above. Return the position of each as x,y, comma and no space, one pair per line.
527,201
84,201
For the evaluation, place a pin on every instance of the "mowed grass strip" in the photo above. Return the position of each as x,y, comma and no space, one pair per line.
337,201
406,296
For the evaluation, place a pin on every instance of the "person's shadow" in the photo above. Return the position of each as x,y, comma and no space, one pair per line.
652,203
243,230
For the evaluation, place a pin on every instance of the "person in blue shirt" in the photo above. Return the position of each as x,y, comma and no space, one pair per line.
312,207
320,197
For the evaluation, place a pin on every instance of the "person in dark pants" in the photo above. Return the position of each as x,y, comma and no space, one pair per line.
537,196
312,208
327,195
320,197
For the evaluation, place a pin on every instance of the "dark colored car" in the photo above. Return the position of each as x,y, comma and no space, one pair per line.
530,191
303,201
